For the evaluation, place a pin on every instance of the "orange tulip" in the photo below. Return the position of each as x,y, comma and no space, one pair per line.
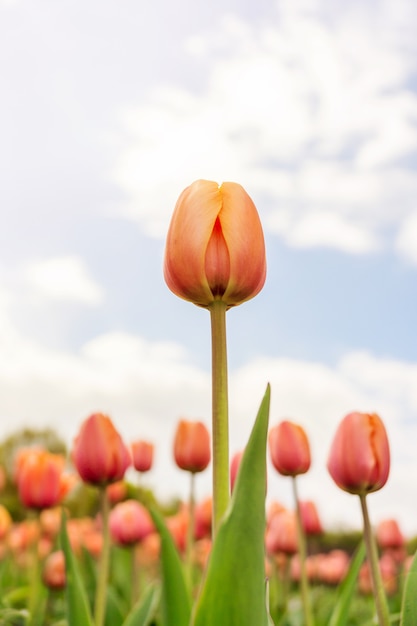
289,449
281,534
39,478
99,453
215,247
142,455
359,459
192,446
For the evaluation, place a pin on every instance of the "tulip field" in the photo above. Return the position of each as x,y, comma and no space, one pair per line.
90,545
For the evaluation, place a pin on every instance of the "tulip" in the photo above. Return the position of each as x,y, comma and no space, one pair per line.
5,522
289,449
54,573
359,462
99,453
39,478
215,246
281,534
359,459
192,446
310,518
389,535
142,455
130,522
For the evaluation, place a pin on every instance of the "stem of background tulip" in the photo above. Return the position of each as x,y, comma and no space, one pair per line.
372,554
190,533
220,413
302,553
103,570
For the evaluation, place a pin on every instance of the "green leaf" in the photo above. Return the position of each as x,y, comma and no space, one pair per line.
175,599
78,610
347,589
233,591
145,609
409,604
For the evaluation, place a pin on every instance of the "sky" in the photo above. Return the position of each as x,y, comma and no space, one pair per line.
108,110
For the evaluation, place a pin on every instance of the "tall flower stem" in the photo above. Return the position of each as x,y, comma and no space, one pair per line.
302,553
220,412
372,555
104,564
190,532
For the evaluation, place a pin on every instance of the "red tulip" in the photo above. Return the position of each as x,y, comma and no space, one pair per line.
39,476
142,455
99,453
192,446
215,246
289,449
130,522
359,459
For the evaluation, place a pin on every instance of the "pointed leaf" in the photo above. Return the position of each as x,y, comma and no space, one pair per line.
347,589
233,592
175,600
409,604
145,609
78,610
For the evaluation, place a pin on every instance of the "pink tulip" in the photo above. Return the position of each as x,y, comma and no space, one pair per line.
289,449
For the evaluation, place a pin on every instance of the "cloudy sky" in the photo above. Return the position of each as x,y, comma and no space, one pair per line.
107,111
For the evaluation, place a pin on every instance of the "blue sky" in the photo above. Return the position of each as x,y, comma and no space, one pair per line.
108,111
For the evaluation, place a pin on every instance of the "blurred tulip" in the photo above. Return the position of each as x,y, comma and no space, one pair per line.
192,446
359,459
50,521
281,534
332,567
389,535
5,521
116,492
99,453
289,449
39,479
310,518
130,522
178,525
142,455
215,246
234,468
54,573
202,518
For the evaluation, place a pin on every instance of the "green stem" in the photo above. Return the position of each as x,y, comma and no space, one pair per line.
220,411
190,533
372,555
302,553
103,572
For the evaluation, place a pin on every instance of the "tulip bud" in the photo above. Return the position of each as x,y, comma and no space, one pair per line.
192,446
215,246
281,534
359,459
289,449
99,453
54,573
389,535
310,518
142,455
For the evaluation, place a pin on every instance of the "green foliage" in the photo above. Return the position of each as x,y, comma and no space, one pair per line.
175,600
78,610
409,606
233,591
347,589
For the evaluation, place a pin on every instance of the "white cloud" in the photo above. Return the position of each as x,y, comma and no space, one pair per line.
406,241
312,125
64,278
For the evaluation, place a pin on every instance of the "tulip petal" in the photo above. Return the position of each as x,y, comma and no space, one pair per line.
191,227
